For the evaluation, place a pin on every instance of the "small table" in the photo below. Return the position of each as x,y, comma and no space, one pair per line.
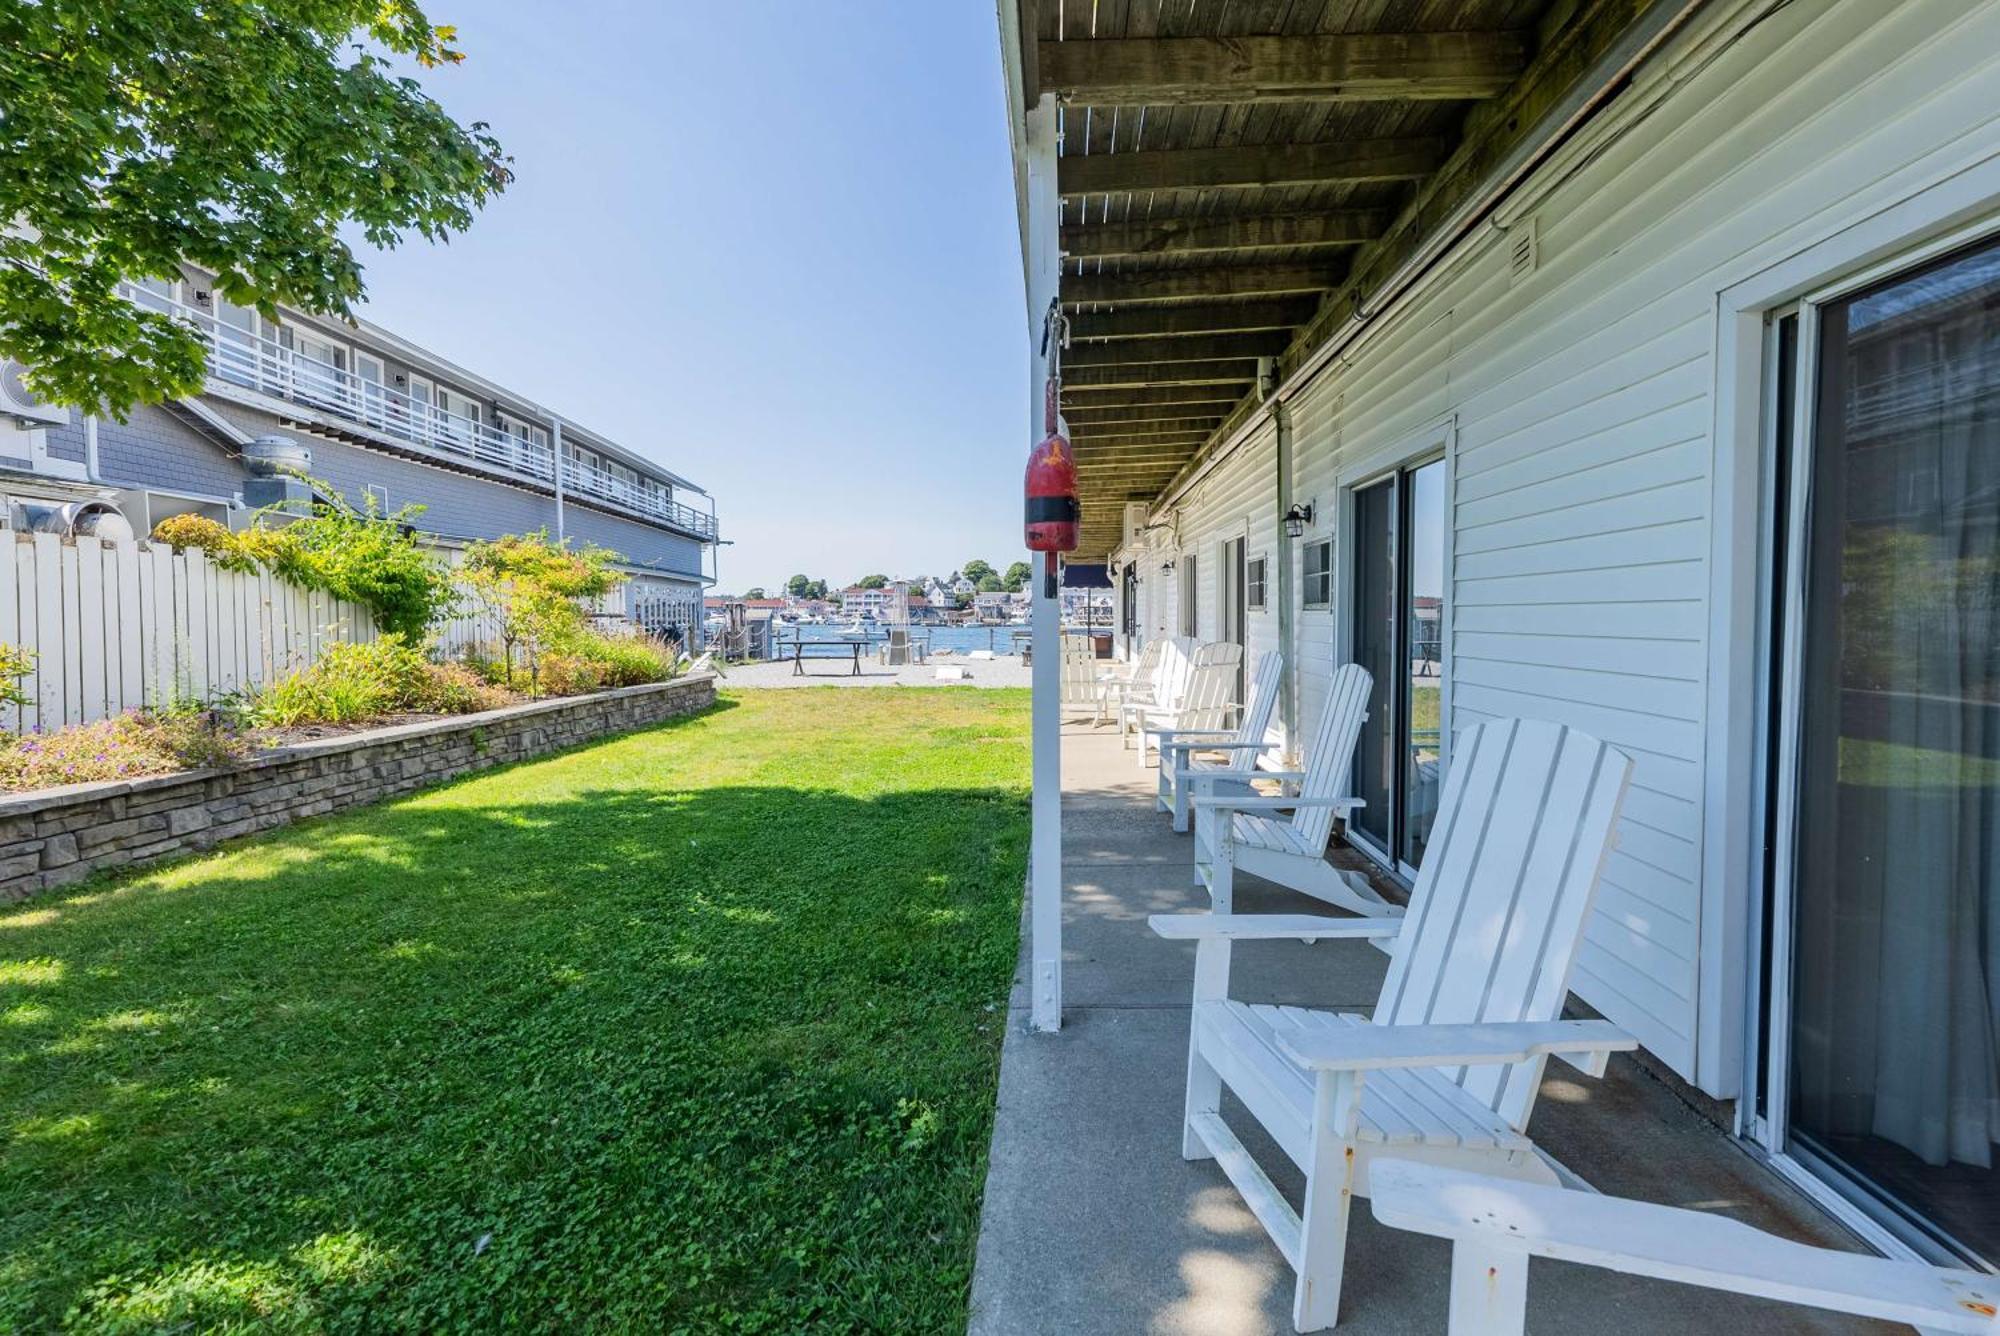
799,655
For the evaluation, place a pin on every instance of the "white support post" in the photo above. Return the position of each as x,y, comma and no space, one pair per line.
1044,272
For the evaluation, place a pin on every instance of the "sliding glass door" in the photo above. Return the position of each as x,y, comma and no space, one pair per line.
1398,620
1885,1043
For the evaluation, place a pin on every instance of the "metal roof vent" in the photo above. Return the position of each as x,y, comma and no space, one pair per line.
1524,250
269,456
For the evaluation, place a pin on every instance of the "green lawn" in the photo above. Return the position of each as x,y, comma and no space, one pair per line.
696,1029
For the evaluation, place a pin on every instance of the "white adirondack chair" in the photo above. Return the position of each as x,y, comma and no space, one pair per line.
1207,699
1079,672
1495,1226
1468,1015
1241,829
1217,755
1161,685
1116,682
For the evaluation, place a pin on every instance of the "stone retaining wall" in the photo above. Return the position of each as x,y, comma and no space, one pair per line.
53,837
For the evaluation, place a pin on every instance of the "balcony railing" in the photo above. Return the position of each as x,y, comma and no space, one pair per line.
254,362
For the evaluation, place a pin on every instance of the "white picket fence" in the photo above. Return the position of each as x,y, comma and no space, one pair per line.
115,626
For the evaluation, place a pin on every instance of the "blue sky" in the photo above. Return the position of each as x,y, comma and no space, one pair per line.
770,244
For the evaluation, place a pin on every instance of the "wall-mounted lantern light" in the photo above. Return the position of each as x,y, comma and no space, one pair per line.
1167,568
1296,520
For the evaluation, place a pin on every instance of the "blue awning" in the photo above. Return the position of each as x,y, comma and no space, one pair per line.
1092,576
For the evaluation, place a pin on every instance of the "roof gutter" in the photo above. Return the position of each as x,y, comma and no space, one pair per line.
1590,95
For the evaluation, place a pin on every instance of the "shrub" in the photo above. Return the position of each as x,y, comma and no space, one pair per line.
628,660
15,664
562,674
181,532
536,588
370,559
453,688
124,747
352,682
366,558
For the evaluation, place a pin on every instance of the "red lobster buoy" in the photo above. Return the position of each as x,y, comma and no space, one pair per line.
1052,511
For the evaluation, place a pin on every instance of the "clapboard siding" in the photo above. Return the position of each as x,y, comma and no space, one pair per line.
1583,403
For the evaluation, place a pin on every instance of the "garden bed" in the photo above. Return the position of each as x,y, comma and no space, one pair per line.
52,837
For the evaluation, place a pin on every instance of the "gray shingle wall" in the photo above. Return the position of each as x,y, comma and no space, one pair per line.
156,449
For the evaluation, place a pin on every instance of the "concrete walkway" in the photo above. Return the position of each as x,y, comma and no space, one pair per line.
1094,1224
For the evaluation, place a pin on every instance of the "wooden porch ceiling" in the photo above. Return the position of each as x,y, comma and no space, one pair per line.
1231,172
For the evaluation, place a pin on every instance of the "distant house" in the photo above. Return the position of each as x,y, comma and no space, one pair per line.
891,603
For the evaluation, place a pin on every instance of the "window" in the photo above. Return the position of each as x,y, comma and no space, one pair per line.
451,401
1319,573
1253,596
538,437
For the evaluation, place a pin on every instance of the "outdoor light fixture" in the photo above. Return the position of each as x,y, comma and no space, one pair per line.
1166,568
1296,520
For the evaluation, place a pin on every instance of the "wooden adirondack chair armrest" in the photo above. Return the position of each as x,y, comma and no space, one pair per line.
1194,737
1253,803
1586,1045
1281,776
1256,927
1674,1243
1191,742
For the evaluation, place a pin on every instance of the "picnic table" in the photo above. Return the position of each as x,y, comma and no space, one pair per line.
839,648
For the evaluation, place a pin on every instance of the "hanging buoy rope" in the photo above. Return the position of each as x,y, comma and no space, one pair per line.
1052,512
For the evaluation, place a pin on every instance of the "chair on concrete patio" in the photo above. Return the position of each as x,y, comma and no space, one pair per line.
1468,1015
1079,674
1495,1226
1237,828
1207,699
1141,685
1210,757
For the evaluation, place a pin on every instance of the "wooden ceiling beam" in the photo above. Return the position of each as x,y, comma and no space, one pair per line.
1351,67
1223,234
1154,374
1199,348
1345,160
1174,398
1165,285
1133,435
1248,317
1122,420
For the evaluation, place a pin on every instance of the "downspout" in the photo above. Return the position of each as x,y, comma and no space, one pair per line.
90,471
557,468
1288,615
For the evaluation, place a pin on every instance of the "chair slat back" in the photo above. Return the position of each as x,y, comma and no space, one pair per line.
1209,695
1265,680
1171,679
1147,664
1079,670
1522,831
1328,758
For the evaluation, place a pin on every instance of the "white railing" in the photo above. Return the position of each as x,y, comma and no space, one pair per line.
255,362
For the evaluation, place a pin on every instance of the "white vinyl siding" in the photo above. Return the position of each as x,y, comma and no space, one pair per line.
1583,398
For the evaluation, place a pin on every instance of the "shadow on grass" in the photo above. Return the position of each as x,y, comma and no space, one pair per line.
609,1057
